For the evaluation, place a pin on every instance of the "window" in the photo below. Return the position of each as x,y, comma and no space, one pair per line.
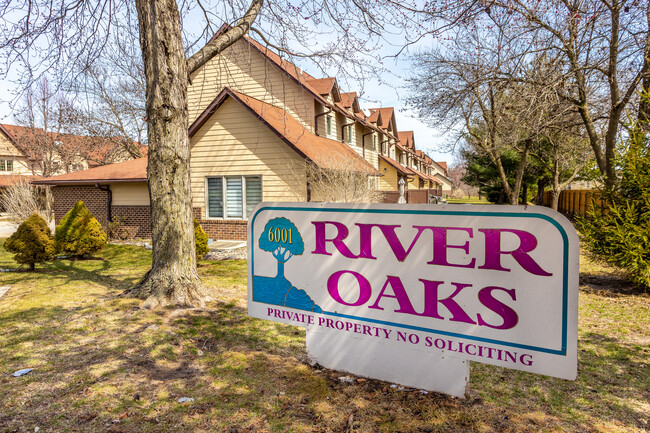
374,142
349,134
6,165
232,196
328,123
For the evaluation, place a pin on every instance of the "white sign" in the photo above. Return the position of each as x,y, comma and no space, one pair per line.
435,286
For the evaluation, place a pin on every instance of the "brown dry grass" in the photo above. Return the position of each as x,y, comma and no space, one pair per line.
104,364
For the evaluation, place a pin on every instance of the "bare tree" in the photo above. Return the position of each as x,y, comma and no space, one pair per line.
78,33
473,79
459,188
342,182
605,47
21,200
45,117
111,95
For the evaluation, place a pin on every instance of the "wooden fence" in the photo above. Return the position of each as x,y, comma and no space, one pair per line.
574,201
412,196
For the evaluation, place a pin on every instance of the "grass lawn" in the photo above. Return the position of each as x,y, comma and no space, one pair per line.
104,364
472,200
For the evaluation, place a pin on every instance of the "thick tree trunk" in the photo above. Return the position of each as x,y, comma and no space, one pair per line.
173,278
555,199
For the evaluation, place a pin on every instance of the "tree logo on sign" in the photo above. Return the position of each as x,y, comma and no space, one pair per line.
283,240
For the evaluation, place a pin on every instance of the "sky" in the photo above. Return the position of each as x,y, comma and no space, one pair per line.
375,94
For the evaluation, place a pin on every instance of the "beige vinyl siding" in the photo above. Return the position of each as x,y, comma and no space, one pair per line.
9,152
130,194
242,68
233,143
322,121
387,182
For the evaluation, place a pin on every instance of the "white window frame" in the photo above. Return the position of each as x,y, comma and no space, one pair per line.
5,164
328,125
223,178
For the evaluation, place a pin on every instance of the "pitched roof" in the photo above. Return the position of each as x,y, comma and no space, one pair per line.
325,86
406,137
397,166
134,170
95,149
324,152
12,179
301,77
10,131
375,117
387,114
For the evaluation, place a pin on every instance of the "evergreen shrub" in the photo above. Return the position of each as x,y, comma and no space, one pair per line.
79,232
32,242
619,229
201,240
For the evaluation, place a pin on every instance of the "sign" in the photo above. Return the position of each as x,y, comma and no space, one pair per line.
410,293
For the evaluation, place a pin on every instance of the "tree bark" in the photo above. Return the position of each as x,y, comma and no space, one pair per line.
173,278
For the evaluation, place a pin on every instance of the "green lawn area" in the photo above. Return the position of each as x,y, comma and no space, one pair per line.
472,200
104,364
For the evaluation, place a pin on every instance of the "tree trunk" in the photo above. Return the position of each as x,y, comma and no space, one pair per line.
173,278
280,270
521,167
555,199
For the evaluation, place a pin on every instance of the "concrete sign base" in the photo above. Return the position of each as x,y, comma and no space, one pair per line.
364,356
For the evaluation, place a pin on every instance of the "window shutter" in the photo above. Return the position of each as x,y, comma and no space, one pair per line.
234,197
253,193
215,198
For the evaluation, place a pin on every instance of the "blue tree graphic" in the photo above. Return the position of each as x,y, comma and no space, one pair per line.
283,240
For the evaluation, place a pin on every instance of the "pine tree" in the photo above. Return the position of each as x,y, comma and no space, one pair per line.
201,239
32,242
79,232
619,229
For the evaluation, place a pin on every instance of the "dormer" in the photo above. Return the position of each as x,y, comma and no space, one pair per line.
328,88
350,102
388,122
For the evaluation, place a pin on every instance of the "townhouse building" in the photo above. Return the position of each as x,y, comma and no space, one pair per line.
257,122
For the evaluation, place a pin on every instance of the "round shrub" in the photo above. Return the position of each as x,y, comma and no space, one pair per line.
32,242
79,232
201,240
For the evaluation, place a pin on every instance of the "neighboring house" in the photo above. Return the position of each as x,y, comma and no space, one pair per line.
15,164
57,153
256,121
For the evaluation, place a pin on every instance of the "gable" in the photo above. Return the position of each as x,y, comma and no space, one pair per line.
7,144
244,68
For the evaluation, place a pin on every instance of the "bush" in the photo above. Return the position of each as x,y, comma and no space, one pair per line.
619,229
79,232
32,242
201,240
21,200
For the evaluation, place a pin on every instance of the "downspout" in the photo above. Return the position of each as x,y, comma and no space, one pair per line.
343,131
363,143
382,147
316,120
110,200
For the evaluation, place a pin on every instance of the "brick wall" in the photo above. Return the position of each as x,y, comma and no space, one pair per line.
136,220
235,230
95,199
